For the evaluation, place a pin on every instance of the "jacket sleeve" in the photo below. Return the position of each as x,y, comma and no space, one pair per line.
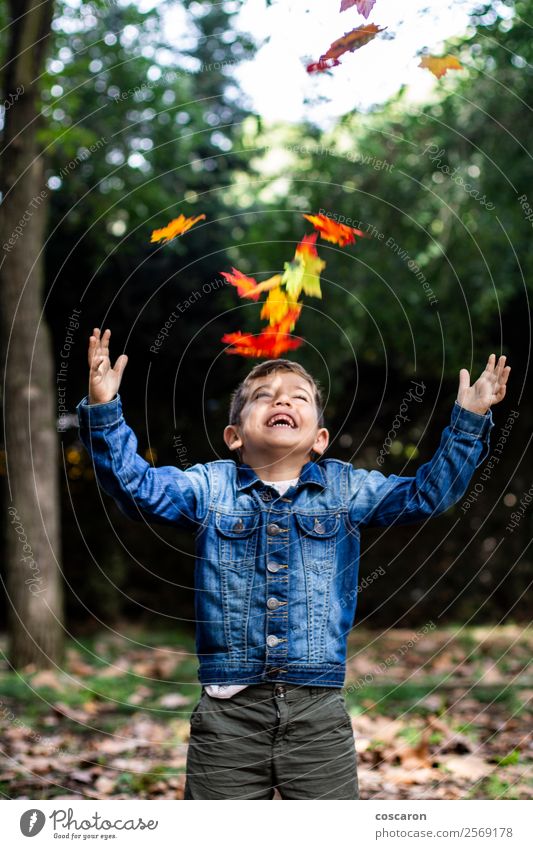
164,495
375,499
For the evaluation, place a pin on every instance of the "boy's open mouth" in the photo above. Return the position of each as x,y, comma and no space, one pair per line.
281,420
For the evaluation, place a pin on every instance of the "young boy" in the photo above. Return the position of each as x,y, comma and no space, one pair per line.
277,549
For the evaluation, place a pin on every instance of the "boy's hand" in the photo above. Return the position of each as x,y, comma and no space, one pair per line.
104,381
488,389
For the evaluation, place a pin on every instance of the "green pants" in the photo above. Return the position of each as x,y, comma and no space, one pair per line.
285,736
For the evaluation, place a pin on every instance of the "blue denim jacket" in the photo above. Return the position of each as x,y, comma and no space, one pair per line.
275,575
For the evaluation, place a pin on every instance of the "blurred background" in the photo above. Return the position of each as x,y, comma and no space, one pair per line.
133,113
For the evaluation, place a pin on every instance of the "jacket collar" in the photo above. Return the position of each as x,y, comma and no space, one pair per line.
311,473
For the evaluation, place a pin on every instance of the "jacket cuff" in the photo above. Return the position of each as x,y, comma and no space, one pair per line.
469,422
99,415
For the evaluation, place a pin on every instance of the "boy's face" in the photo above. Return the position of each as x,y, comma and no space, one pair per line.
286,398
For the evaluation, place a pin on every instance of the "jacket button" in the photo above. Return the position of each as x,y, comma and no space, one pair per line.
273,529
319,527
266,495
273,567
272,641
273,603
239,525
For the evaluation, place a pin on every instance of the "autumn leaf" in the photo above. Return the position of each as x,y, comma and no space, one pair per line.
329,230
352,40
247,287
174,228
321,66
302,273
439,65
276,305
265,286
270,343
364,7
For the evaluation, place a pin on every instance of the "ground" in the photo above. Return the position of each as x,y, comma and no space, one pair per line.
444,714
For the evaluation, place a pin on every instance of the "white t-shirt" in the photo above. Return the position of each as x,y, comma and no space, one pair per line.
226,691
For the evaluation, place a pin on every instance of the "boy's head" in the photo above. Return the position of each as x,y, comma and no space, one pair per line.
276,391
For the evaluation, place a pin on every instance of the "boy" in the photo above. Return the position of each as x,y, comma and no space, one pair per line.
277,547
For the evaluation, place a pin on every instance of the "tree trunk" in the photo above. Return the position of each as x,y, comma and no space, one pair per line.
35,603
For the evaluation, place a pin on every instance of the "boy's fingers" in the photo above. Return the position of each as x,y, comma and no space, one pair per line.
121,364
464,379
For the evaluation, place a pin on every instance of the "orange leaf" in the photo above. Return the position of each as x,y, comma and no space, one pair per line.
329,230
247,287
439,65
352,40
266,344
174,228
276,305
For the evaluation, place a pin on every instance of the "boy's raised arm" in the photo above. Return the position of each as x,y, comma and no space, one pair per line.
166,495
376,499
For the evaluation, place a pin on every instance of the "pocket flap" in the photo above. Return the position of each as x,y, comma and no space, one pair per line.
236,526
319,525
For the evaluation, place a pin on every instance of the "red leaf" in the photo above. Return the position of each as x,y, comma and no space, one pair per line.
246,286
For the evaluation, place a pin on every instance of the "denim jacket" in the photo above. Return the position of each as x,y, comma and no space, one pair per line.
275,576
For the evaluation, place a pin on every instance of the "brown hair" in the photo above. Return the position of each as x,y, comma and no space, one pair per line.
241,394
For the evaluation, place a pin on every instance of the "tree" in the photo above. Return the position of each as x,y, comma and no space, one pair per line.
32,545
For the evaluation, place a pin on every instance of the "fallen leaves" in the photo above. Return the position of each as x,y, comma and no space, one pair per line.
441,739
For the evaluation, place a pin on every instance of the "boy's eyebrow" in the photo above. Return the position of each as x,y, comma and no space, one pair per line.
267,386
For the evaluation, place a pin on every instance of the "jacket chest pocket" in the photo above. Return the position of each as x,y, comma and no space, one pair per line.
318,536
237,539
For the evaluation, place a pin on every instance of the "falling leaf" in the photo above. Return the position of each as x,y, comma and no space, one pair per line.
275,306
247,287
321,66
265,286
302,273
353,40
439,65
329,230
174,228
270,343
364,7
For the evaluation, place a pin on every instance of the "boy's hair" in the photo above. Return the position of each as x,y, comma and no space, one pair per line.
241,394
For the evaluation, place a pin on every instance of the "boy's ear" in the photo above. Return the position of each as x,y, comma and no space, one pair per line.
232,437
322,440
